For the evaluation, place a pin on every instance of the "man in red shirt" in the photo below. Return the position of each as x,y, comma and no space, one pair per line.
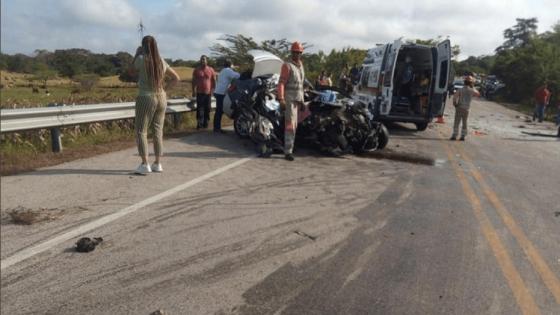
542,97
203,85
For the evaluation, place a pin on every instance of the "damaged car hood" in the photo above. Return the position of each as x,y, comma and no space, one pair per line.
266,63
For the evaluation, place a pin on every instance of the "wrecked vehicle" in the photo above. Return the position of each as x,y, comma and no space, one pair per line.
336,124
405,82
243,93
333,122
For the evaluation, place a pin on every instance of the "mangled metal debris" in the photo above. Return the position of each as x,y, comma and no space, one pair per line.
86,244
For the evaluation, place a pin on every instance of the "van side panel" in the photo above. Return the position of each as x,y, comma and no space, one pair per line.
388,73
368,90
441,80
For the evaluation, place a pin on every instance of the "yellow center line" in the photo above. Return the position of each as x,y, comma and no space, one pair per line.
549,278
523,297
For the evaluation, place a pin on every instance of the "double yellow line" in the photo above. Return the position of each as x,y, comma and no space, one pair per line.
523,296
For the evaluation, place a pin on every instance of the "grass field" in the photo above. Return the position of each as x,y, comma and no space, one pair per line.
17,90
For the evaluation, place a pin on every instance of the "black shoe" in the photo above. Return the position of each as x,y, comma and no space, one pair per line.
462,138
289,157
265,155
453,138
219,131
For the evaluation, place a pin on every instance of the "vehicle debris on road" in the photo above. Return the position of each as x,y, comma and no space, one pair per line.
86,244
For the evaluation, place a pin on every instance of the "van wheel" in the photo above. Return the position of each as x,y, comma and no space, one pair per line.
421,126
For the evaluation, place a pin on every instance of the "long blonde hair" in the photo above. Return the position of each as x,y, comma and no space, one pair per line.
152,62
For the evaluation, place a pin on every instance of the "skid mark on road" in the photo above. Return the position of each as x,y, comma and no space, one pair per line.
41,247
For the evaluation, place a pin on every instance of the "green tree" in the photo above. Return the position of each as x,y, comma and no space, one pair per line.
236,47
520,34
43,73
525,67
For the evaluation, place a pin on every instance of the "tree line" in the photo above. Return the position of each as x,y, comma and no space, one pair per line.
73,63
523,62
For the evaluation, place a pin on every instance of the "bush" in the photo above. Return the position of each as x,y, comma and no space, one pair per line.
87,81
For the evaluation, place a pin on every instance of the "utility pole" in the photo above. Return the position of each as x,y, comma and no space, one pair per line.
141,29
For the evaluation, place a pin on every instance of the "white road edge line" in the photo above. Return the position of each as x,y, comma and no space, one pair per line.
34,250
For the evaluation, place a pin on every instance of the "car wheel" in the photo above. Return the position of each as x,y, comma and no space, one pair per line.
421,126
242,126
383,137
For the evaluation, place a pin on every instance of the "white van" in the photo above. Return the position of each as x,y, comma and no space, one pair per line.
383,89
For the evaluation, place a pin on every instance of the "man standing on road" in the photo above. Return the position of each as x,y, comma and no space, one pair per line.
290,96
224,80
203,83
462,101
542,97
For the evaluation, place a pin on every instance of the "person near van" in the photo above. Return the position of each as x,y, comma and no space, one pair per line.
203,84
344,82
226,75
328,79
323,79
462,102
290,96
422,86
151,101
542,97
355,74
407,77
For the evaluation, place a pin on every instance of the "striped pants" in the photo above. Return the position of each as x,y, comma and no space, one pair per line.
290,125
150,110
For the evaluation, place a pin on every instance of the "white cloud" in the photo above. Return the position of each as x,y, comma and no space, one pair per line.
186,28
105,13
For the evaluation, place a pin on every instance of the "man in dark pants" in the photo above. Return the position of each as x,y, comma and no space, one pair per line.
225,77
203,84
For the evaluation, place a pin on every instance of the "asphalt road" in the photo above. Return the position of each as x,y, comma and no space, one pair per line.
429,226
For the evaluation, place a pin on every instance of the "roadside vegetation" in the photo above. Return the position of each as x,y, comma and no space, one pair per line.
523,62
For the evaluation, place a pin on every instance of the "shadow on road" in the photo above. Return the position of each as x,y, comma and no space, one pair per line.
70,171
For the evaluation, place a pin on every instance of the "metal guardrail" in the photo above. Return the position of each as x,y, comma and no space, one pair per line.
68,115
55,116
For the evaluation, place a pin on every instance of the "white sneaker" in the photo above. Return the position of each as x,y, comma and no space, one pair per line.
157,168
143,169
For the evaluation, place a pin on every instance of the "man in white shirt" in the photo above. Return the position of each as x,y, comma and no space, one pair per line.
224,80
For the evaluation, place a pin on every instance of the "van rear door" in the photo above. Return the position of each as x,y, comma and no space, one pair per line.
388,73
442,76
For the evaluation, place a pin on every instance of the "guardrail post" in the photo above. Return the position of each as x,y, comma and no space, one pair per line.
177,120
56,135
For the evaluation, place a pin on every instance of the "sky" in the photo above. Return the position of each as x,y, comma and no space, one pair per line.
185,29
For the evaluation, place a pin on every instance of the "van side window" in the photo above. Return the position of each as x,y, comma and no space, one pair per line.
443,74
388,76
365,77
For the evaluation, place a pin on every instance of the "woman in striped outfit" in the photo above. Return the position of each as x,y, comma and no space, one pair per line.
151,101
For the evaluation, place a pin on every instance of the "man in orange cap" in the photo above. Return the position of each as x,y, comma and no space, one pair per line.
290,96
462,101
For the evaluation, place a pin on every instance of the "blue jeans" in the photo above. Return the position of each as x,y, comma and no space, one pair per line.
219,111
539,112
